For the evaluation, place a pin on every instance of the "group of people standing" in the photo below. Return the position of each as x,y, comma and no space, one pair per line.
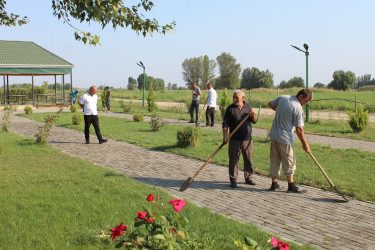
288,118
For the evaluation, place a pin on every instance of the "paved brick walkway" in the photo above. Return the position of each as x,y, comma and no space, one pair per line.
318,218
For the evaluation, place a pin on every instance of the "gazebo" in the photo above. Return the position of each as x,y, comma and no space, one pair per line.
23,58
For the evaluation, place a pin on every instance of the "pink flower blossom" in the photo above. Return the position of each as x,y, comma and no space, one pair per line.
177,204
279,244
117,231
150,198
150,219
141,215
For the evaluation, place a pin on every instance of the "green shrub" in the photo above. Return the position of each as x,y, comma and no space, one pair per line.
77,118
138,117
126,106
188,136
157,122
6,117
358,121
74,108
28,110
224,103
151,104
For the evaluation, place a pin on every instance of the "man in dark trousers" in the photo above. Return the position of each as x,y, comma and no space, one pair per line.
194,103
89,104
241,141
108,96
289,117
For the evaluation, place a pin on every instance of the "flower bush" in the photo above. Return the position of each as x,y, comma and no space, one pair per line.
252,244
152,230
43,131
6,117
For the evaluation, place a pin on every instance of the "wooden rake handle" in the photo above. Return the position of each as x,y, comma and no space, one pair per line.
222,145
322,170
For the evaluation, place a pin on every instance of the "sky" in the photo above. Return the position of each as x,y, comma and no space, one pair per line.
340,35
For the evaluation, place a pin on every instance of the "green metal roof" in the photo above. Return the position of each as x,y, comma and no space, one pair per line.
21,57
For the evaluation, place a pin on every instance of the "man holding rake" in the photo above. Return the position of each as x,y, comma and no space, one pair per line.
241,141
289,116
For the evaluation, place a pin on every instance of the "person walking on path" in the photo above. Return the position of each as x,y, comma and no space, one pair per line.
211,104
194,103
89,104
108,98
241,141
289,116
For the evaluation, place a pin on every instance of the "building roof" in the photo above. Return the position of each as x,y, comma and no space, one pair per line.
22,58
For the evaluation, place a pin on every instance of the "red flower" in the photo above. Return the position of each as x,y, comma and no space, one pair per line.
150,219
50,121
117,231
141,215
177,204
279,244
150,198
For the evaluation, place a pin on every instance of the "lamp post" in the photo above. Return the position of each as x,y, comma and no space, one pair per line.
140,64
307,74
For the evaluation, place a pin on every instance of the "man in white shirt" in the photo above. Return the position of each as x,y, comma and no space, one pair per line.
89,104
211,104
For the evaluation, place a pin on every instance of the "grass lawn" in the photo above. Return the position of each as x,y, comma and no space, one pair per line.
263,96
352,171
54,201
322,127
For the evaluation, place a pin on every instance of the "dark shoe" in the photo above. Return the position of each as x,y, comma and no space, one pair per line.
250,182
294,189
190,121
212,125
233,184
274,186
103,141
87,142
207,125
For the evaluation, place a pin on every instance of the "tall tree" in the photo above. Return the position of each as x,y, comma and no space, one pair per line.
208,69
229,72
113,12
157,83
342,80
254,78
363,81
191,71
132,83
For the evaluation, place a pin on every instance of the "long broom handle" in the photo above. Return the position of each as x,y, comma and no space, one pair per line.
321,169
202,111
222,145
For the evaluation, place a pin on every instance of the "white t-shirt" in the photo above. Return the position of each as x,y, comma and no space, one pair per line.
289,114
212,96
90,104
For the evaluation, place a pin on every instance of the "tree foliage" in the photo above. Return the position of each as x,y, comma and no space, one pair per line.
157,83
113,12
364,81
229,72
342,80
319,85
295,82
254,78
199,70
132,83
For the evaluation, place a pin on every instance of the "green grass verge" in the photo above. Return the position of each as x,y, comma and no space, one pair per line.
322,127
263,96
54,201
351,170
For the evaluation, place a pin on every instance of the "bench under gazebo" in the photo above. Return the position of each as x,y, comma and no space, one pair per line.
23,58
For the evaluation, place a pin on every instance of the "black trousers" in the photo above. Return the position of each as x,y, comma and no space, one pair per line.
194,105
95,122
210,113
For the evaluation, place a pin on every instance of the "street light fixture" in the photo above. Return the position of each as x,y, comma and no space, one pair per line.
140,64
307,73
